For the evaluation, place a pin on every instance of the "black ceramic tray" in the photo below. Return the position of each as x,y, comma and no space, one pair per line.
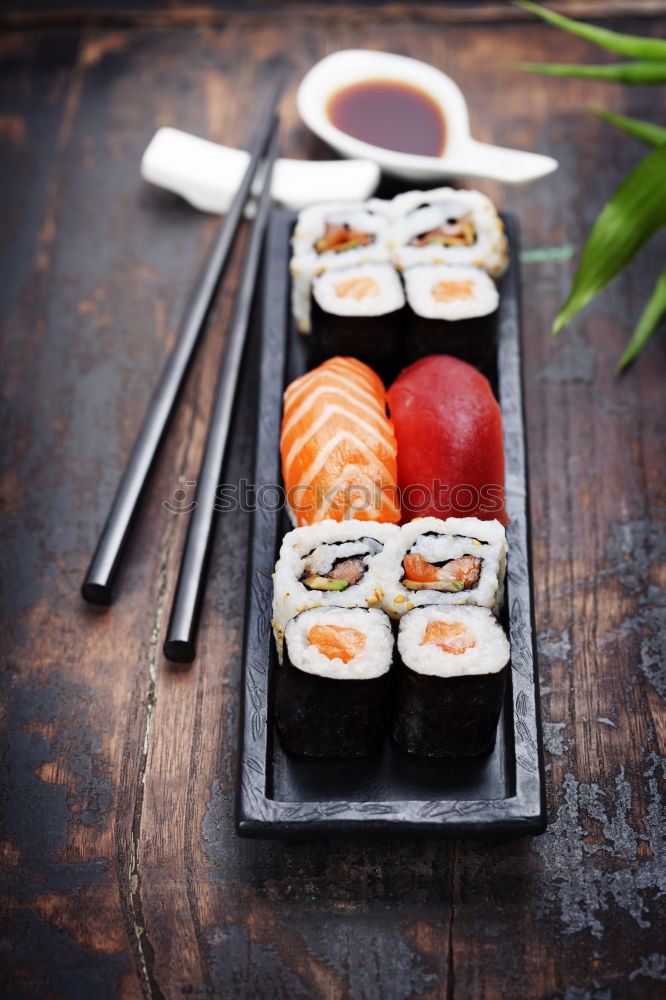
280,795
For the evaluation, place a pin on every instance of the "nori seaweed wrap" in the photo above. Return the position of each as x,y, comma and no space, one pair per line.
450,681
332,690
359,312
453,311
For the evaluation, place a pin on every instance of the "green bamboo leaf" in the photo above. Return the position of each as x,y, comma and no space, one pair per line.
626,72
635,212
651,135
654,312
625,45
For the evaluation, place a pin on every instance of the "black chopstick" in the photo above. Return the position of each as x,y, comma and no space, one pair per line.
98,583
179,645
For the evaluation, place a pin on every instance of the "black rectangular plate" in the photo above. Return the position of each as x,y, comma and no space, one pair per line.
284,796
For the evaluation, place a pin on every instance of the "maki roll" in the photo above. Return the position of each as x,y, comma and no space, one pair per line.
448,226
450,294
329,563
336,228
453,313
450,681
461,560
331,692
329,237
358,311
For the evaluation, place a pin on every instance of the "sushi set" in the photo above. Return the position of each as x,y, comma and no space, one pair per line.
389,677
407,564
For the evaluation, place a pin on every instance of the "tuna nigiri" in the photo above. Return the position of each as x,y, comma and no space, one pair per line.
449,432
338,448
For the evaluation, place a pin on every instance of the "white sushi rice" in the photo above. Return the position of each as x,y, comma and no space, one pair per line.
470,292
417,212
384,295
380,206
306,263
313,550
488,656
438,541
373,661
367,217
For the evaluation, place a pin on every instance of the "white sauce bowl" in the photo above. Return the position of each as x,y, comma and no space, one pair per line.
463,156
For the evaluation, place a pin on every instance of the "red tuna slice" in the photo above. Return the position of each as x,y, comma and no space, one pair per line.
448,427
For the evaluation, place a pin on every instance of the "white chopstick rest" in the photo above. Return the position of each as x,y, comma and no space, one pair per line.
207,174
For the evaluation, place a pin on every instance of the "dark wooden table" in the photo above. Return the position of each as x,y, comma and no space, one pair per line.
122,873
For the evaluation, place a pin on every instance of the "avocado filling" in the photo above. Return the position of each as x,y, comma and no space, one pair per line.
324,583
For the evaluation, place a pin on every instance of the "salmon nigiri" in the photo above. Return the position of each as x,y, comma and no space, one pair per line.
338,447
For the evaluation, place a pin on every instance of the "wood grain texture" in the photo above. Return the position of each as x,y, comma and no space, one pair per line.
169,13
122,875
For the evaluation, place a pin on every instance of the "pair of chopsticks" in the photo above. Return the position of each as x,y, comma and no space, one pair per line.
97,587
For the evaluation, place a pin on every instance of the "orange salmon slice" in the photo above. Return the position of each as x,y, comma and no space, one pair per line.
343,370
335,641
417,569
452,637
357,289
449,291
466,570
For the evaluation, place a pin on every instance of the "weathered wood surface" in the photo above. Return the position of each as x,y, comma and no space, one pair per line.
183,12
122,873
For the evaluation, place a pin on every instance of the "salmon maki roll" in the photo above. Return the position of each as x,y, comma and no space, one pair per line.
448,226
359,310
332,690
333,236
338,447
335,563
461,560
450,678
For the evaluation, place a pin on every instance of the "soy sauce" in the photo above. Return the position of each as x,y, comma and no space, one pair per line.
391,115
